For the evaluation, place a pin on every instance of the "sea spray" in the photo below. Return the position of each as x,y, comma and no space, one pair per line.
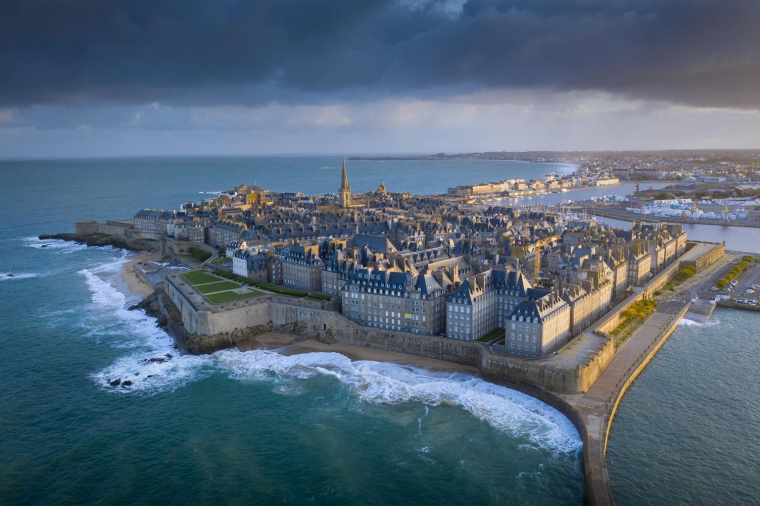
153,364
390,383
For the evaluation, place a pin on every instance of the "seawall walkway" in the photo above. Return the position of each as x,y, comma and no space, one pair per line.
598,405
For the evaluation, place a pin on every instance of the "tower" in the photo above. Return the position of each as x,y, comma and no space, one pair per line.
345,189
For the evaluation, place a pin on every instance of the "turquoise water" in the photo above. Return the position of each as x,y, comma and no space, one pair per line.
686,431
233,428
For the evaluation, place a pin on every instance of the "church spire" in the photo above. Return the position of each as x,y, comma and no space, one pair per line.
345,189
344,181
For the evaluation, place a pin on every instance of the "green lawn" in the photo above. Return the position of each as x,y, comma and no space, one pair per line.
219,298
492,335
200,277
219,286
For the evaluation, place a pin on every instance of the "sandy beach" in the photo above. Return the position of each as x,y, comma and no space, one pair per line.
273,340
135,283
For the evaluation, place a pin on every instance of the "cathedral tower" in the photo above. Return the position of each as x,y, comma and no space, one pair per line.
345,189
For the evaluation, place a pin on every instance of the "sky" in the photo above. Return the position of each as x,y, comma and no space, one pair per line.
82,78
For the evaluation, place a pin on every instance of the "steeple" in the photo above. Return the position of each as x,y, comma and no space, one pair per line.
345,189
344,180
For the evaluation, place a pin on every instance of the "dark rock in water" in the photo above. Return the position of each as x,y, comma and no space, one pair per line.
150,305
44,246
115,383
148,376
169,356
117,241
137,374
158,360
127,384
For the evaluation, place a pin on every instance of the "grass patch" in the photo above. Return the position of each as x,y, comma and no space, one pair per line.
221,260
222,297
219,286
271,288
200,277
494,334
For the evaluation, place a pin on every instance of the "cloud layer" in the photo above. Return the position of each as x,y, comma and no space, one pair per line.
703,53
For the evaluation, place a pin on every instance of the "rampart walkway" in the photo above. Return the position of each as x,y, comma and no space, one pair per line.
597,406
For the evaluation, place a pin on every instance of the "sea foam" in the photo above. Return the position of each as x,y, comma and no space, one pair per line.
390,383
58,245
152,365
374,382
18,275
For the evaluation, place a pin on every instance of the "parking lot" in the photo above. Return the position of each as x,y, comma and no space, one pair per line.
745,289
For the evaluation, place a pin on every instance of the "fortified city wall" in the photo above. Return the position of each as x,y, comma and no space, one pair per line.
314,319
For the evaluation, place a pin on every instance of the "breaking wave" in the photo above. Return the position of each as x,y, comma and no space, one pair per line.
390,383
57,245
712,322
153,364
18,275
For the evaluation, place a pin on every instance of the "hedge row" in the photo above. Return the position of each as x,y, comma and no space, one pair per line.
735,271
639,309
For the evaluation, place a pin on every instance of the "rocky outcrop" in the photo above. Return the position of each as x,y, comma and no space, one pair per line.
203,345
151,307
117,241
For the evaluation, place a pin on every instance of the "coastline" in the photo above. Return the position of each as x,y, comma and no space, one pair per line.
278,341
135,283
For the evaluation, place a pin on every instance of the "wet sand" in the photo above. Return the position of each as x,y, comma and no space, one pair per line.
135,283
273,341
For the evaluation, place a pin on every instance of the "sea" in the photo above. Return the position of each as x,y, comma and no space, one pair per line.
253,427
259,427
686,432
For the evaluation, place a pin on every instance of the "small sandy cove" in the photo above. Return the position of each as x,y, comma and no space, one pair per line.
134,282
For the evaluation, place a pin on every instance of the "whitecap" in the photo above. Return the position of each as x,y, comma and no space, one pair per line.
18,275
57,245
154,365
390,383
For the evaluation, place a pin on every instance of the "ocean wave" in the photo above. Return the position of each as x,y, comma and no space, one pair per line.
57,245
154,365
18,275
390,383
685,322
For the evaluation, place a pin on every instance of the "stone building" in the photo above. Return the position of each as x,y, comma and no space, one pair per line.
538,327
226,231
395,299
151,220
250,263
338,269
302,268
484,301
190,231
639,264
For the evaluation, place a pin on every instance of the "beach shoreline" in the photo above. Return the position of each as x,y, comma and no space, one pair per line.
292,345
135,283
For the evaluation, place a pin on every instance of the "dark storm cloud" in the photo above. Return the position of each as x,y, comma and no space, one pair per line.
697,52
